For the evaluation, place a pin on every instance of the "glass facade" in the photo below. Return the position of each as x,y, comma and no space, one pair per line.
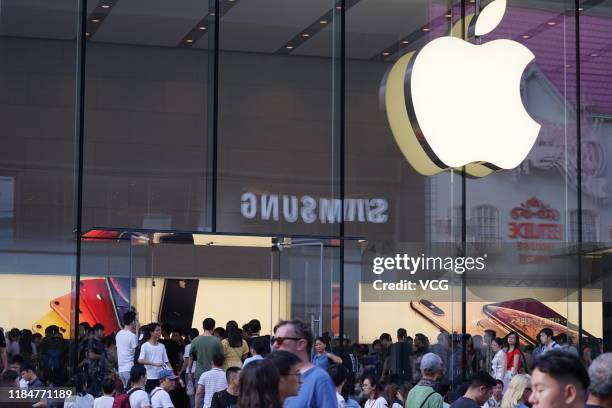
234,159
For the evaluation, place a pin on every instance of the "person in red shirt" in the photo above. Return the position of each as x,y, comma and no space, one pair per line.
514,360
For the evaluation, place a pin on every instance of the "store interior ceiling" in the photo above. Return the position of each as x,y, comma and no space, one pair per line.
262,26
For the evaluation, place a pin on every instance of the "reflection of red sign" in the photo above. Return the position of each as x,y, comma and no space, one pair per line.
535,209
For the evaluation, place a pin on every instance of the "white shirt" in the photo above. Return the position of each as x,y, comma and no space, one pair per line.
160,398
139,399
380,402
186,357
497,365
104,402
156,354
341,401
126,347
81,401
251,359
213,380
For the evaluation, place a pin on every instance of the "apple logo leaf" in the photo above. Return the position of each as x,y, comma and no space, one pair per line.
490,17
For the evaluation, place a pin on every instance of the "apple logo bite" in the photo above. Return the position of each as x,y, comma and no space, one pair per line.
453,104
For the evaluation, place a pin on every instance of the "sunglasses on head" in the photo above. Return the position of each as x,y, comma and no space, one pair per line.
280,340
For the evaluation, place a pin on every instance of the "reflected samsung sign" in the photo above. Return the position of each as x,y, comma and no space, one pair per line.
308,209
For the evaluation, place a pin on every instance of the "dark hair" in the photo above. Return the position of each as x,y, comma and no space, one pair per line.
14,334
490,332
562,338
166,327
499,341
28,367
25,343
322,340
259,386
37,336
230,371
338,373
499,382
221,332
208,324
85,326
231,324
547,331
79,381
9,377
385,336
375,342
234,336
259,345
375,384
51,330
563,367
193,333
137,372
218,359
301,329
283,361
17,359
109,340
97,326
254,326
401,333
517,345
481,379
129,317
108,385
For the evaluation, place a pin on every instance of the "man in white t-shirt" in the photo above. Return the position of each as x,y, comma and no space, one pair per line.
138,378
107,399
153,356
159,396
211,381
127,342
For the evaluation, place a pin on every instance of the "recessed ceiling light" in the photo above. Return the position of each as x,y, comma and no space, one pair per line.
87,34
524,37
202,28
594,54
323,21
580,9
105,6
386,54
338,7
212,14
567,65
95,20
189,41
551,23
289,47
405,42
449,15
426,29
305,35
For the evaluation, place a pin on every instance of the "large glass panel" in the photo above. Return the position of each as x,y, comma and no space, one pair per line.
38,64
146,119
278,118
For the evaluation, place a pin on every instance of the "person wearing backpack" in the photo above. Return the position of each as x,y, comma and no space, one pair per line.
136,397
424,395
160,397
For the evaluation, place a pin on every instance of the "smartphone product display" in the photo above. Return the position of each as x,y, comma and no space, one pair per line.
95,296
178,302
63,305
49,319
120,296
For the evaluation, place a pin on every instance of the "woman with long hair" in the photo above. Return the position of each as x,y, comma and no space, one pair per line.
514,363
371,389
27,348
518,392
259,386
498,363
235,349
320,357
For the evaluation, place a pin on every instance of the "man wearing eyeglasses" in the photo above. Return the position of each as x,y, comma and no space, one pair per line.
317,388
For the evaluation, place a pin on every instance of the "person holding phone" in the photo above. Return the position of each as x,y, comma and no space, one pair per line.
513,357
153,356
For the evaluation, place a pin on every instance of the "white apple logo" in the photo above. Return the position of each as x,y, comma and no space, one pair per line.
454,104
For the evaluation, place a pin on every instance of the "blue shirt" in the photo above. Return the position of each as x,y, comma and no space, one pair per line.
321,361
251,359
317,391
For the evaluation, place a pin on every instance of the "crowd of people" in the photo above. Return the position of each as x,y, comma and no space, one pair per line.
158,366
